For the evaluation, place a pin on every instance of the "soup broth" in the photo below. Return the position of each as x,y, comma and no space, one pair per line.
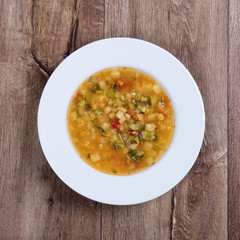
120,121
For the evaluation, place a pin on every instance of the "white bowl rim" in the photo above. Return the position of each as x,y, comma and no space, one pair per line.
180,86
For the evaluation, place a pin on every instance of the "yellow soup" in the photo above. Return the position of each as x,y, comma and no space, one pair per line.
120,121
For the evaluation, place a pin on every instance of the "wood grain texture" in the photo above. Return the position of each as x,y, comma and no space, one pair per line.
151,220
233,120
200,208
35,38
36,35
196,33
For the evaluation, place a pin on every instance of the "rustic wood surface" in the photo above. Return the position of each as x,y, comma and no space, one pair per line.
36,35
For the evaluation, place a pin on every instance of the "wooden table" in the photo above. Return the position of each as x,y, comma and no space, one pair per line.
36,35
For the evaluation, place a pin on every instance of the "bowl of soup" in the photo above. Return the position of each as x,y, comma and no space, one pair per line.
121,121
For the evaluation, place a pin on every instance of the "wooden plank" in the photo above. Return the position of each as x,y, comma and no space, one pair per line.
151,220
200,210
137,19
35,38
233,120
195,32
60,27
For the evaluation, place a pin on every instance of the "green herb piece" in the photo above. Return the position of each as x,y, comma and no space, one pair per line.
140,137
135,126
162,100
131,139
119,102
110,92
95,87
100,129
116,146
99,112
148,102
131,105
134,156
81,103
134,146
87,106
144,99
117,141
142,108
120,137
114,139
148,136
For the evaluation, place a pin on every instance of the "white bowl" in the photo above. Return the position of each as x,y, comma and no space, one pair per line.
150,183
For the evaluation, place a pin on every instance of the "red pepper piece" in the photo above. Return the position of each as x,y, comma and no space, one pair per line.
116,124
134,133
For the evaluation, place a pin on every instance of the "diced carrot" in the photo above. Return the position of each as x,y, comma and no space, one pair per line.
121,82
132,113
86,84
77,97
166,101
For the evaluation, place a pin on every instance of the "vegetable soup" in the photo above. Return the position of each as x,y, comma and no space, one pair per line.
120,121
